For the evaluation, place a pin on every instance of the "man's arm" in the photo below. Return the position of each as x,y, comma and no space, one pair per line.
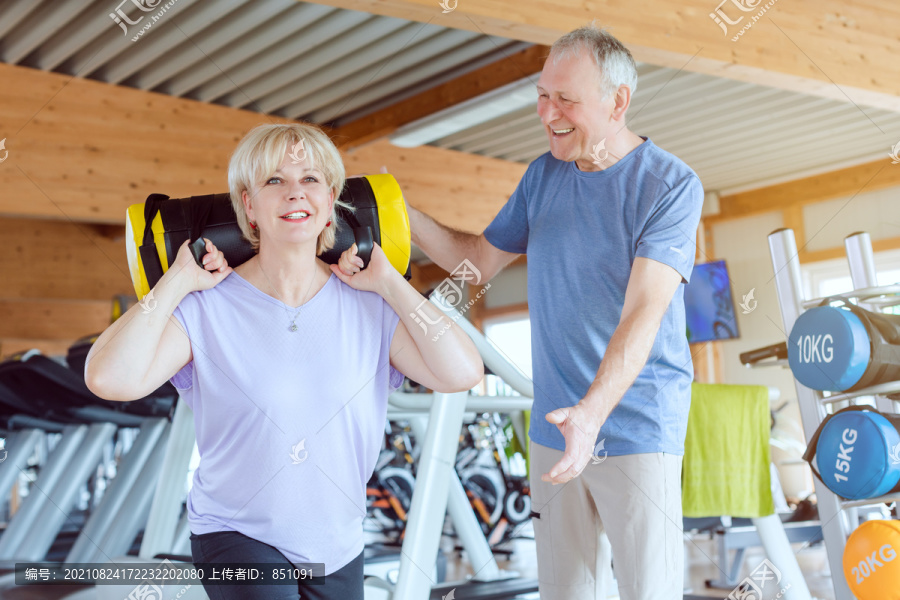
448,247
651,286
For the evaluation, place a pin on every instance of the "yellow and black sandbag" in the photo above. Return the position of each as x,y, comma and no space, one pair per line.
156,229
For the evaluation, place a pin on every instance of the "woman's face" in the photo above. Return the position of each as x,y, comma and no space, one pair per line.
293,205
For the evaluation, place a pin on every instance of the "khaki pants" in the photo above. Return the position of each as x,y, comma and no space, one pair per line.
635,502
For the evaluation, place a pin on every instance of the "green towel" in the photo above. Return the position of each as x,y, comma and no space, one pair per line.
726,452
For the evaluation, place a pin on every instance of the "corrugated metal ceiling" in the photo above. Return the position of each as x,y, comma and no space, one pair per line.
281,57
734,135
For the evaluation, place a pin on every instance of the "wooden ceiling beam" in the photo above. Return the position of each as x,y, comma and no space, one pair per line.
826,48
868,177
471,85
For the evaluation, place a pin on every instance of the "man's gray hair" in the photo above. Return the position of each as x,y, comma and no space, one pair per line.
611,56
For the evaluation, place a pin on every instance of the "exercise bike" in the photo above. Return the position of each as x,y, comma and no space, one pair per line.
494,476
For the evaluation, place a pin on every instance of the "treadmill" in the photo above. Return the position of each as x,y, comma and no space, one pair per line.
39,394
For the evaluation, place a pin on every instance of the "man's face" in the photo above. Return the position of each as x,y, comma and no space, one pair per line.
571,106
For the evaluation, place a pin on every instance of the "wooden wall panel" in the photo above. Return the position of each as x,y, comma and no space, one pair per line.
94,149
60,261
85,150
57,280
53,319
461,190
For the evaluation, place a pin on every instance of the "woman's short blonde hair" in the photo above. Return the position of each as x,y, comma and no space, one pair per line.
261,152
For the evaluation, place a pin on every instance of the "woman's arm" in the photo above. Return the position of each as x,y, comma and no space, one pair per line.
146,346
444,362
443,358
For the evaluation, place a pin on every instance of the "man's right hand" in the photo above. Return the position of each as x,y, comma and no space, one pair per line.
215,267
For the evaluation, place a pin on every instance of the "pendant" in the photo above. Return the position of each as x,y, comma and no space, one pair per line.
293,327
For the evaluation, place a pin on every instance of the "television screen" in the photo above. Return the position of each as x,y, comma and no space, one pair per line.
708,305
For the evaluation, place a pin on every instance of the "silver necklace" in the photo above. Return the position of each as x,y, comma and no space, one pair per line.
293,326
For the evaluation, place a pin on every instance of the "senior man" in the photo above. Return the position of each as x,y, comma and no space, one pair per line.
608,221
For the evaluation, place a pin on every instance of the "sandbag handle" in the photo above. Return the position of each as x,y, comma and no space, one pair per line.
198,249
365,243
876,323
151,208
149,254
867,317
814,441
200,208
362,235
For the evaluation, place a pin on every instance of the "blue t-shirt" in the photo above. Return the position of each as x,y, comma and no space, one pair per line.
289,424
581,232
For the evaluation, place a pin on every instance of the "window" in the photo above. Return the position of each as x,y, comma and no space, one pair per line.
829,277
512,336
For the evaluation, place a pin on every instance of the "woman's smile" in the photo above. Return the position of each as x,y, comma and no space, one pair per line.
297,216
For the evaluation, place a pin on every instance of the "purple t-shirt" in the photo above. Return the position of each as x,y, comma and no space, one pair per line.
289,424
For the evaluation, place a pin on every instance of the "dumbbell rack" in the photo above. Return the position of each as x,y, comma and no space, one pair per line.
836,514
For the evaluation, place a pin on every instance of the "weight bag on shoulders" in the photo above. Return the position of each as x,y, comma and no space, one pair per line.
871,563
156,229
856,453
844,348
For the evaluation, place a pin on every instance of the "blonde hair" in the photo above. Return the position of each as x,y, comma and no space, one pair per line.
261,152
614,60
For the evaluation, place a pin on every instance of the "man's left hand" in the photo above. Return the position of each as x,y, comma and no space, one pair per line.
579,427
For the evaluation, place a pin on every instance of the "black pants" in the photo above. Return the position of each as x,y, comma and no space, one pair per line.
234,547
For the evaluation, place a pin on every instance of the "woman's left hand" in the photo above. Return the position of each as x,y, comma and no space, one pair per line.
349,269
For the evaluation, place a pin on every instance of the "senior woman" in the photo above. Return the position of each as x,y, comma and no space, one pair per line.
287,363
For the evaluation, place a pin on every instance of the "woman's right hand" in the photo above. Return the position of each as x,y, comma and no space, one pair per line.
215,267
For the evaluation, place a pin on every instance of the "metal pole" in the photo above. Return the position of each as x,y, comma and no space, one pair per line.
61,498
492,358
56,468
159,535
20,446
862,272
429,501
474,404
783,250
182,537
778,549
464,522
135,511
108,511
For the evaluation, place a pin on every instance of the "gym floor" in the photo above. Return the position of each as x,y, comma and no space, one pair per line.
701,554
813,563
